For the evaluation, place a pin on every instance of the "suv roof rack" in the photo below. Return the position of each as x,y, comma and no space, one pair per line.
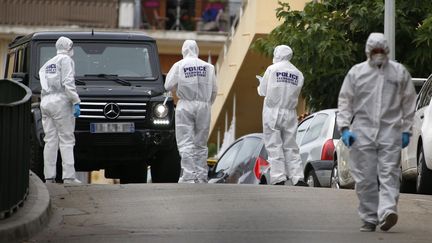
16,39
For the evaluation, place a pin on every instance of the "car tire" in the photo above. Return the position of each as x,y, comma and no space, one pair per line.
263,181
334,178
36,153
166,167
407,186
312,179
424,175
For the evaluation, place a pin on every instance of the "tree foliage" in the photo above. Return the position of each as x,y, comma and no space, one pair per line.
329,37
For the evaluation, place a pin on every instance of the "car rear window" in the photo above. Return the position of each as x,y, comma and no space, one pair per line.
247,150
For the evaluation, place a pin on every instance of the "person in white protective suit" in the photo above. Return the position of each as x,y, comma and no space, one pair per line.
376,111
195,84
59,104
281,86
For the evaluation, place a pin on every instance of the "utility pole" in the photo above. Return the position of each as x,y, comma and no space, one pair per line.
389,26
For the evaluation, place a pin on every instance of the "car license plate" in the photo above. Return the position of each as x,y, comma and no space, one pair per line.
118,127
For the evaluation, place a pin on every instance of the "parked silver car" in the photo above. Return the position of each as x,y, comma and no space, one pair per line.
245,161
317,136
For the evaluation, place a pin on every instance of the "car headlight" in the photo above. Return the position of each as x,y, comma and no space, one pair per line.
161,111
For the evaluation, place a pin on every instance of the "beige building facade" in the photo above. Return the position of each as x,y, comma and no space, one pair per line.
237,67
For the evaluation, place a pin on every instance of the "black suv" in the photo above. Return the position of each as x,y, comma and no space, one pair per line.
127,119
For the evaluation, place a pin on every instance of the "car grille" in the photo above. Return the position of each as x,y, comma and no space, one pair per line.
128,110
93,112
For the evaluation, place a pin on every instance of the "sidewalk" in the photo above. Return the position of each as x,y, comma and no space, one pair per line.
31,217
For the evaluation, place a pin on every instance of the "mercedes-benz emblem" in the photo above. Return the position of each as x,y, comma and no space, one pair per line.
111,111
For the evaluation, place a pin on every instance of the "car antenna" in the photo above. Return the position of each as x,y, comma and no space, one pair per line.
92,31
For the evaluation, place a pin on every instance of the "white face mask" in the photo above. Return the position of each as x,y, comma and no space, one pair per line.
379,58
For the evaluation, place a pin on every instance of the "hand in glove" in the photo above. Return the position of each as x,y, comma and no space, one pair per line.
77,110
348,137
405,139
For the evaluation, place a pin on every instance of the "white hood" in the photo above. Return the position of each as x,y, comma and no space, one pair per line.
190,49
282,53
376,40
64,46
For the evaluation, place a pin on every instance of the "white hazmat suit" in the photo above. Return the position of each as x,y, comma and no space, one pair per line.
195,84
58,98
376,103
281,86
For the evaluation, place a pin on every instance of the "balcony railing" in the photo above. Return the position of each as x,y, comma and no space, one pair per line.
82,13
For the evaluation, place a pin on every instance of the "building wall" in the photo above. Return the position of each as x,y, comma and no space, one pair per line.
3,52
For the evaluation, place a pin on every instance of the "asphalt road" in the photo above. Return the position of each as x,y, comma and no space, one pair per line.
221,213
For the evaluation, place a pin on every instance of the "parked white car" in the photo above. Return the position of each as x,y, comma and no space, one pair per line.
416,159
341,176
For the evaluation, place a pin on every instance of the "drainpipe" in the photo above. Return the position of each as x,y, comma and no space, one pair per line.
137,14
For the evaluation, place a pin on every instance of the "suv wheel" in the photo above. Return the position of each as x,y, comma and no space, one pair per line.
424,175
135,173
165,167
36,153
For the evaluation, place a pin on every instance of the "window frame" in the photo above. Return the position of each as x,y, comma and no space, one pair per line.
423,93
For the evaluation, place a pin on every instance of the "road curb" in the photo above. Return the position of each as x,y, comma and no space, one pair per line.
32,217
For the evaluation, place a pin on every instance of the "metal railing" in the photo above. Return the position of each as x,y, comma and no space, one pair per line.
15,121
83,13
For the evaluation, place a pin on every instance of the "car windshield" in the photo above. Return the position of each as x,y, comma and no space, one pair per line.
128,60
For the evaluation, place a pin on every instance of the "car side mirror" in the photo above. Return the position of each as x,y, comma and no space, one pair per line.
211,171
221,174
20,77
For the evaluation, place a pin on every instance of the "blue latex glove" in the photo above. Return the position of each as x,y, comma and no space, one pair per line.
405,139
348,137
77,110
